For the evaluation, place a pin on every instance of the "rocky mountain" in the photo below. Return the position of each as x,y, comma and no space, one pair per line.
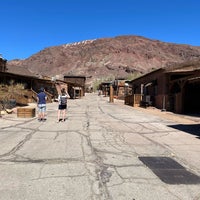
122,56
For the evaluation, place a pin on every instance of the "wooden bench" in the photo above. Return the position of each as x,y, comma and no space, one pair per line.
24,112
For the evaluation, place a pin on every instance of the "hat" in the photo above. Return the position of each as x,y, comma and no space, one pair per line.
42,89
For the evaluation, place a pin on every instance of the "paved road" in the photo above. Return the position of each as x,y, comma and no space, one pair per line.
93,155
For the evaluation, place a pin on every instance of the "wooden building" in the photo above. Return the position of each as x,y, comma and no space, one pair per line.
105,88
175,89
119,88
2,64
31,84
76,86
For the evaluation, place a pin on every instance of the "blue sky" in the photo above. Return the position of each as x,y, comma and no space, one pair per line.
28,26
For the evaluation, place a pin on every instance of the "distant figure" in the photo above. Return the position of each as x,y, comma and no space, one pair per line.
41,101
62,104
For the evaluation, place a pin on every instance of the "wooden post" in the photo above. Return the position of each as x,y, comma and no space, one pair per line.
111,94
163,104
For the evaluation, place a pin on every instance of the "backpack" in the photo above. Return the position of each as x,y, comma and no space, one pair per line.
63,100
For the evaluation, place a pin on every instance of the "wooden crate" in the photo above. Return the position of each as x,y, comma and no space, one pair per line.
26,112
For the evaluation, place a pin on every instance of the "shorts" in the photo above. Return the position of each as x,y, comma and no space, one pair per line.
62,107
42,107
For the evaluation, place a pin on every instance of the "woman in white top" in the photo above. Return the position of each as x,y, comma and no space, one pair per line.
62,104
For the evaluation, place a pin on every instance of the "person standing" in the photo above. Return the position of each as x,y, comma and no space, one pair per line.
62,105
41,101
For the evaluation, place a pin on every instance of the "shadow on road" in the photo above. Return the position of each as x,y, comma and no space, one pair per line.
193,129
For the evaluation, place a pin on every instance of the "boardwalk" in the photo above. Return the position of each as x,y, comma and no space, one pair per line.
94,155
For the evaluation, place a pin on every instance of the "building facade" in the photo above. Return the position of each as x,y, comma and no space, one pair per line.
76,86
2,64
175,89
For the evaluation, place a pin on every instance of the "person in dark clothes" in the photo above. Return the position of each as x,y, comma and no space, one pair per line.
41,101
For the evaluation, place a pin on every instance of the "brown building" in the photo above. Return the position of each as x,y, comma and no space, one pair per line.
31,84
119,88
76,85
2,64
176,89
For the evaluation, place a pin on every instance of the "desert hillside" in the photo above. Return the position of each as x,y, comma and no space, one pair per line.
122,56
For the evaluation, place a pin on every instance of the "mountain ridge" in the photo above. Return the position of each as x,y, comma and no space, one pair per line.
120,56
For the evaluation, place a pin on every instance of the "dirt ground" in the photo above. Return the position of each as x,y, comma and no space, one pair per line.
179,118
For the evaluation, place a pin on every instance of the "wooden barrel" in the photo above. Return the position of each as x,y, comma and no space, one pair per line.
26,112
